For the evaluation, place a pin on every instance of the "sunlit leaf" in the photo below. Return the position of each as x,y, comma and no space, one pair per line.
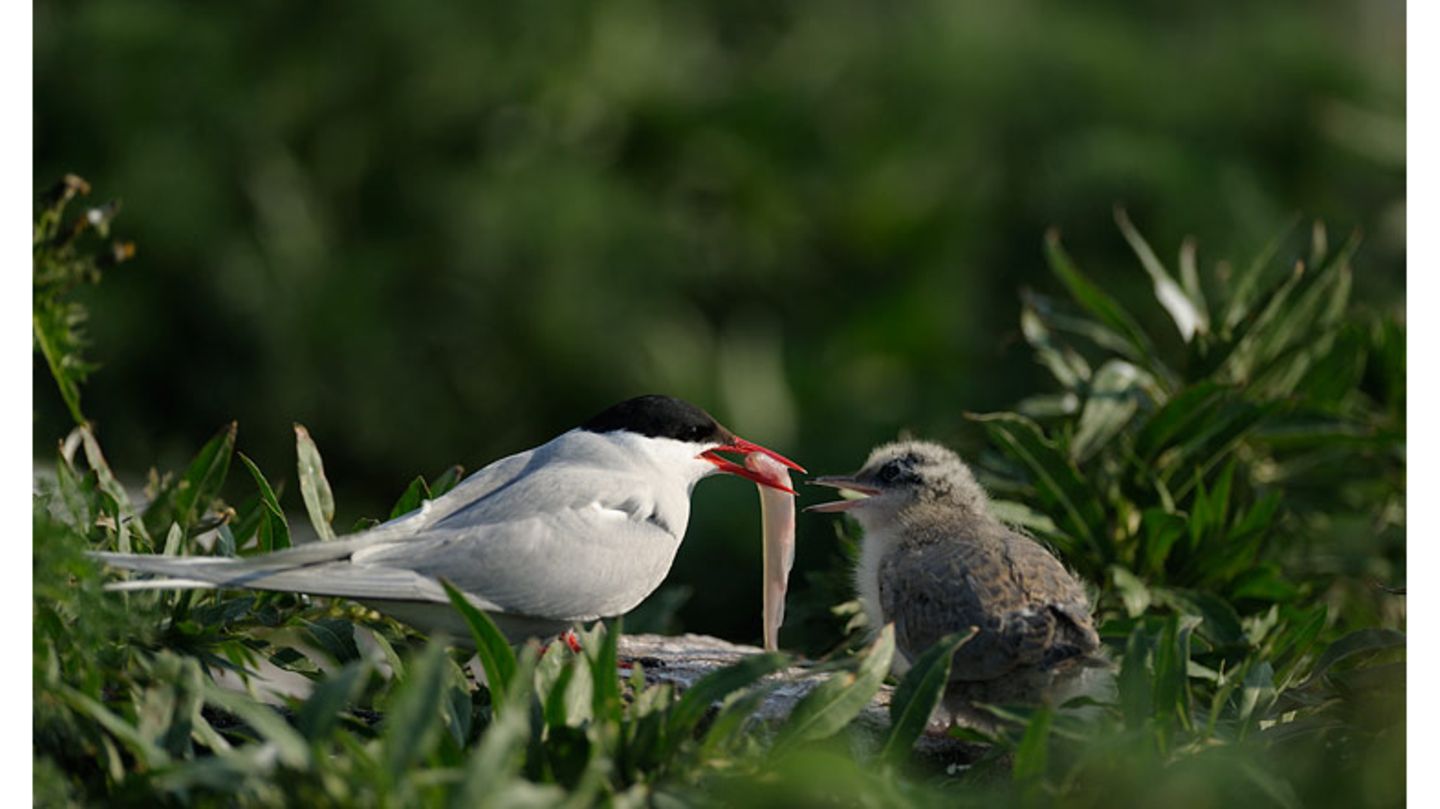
314,488
1111,400
1188,313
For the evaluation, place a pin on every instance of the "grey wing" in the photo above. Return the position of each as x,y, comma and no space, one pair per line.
575,563
1026,616
1052,588
474,489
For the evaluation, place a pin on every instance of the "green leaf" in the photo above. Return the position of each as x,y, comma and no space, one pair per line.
605,673
1133,592
412,719
1357,642
1172,678
1031,756
1058,481
735,714
330,696
185,499
1094,300
715,687
109,484
1182,413
447,480
1187,313
314,488
54,325
128,735
501,751
917,695
1190,278
1067,366
289,745
1160,531
274,531
414,495
335,635
1134,684
830,706
1242,290
1113,397
497,657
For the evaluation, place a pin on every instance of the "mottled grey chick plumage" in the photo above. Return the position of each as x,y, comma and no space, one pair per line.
935,561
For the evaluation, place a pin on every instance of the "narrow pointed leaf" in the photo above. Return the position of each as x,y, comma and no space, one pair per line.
186,497
314,488
496,655
1057,480
412,498
320,713
917,695
1032,755
269,725
830,706
273,530
1189,318
715,687
412,720
1094,300
1113,398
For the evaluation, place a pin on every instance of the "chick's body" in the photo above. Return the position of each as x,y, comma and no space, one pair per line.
935,561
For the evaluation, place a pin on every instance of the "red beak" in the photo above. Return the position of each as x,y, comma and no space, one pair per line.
740,445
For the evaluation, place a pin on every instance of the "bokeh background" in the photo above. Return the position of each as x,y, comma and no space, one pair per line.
438,233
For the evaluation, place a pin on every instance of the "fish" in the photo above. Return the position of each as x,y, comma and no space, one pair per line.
777,516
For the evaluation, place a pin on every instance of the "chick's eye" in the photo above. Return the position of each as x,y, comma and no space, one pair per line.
889,472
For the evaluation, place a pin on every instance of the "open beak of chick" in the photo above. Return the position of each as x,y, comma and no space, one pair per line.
853,492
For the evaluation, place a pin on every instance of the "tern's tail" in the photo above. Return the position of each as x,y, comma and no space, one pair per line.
317,568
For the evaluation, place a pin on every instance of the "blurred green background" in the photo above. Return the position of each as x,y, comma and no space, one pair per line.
441,233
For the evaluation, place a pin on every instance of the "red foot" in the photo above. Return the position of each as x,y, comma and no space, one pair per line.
572,641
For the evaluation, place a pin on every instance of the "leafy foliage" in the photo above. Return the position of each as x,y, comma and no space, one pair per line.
65,258
1190,483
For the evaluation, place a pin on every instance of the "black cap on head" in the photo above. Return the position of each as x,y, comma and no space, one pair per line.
660,416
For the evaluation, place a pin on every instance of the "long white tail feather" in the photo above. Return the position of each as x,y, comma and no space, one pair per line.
332,578
158,584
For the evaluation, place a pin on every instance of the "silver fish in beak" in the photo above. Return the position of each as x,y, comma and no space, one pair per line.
777,513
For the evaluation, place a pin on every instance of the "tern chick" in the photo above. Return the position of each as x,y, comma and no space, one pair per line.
934,560
582,527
